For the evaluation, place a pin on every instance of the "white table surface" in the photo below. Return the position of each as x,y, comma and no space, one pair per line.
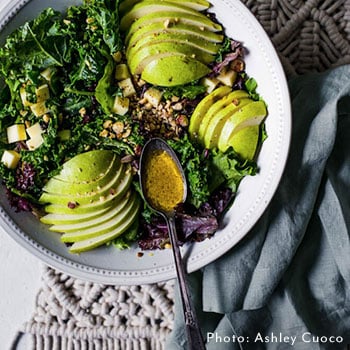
20,274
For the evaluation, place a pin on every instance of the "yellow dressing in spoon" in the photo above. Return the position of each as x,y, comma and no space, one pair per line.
163,182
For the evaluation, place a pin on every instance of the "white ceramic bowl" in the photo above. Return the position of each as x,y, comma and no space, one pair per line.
108,265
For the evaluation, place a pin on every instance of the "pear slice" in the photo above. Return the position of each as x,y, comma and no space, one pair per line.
102,203
170,18
90,243
142,58
175,28
107,226
146,7
231,99
126,5
252,114
86,167
245,142
55,185
164,71
199,5
215,125
164,37
94,221
93,195
66,219
202,108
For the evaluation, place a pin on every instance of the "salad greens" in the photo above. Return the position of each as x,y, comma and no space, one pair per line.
195,168
190,91
75,55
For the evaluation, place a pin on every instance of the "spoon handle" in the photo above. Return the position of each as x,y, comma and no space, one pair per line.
194,336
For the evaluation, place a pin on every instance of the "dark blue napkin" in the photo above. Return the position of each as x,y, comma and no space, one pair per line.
286,285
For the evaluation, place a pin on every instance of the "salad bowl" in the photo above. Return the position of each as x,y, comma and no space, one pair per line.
130,266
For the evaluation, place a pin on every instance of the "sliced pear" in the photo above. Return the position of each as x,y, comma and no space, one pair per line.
172,27
202,108
94,221
174,38
101,203
249,115
165,70
67,219
88,244
215,125
245,142
169,18
88,166
199,5
231,99
126,5
106,226
146,7
93,195
58,186
141,59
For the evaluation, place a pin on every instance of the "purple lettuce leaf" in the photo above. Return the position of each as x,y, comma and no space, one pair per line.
194,227
237,51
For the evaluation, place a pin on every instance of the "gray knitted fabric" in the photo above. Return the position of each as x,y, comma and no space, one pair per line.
309,35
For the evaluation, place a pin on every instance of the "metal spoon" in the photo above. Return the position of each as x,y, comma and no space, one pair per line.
194,336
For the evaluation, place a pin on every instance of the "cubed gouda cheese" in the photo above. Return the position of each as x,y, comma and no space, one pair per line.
153,96
128,87
23,93
209,83
10,159
34,143
16,132
227,77
47,73
122,72
42,93
121,105
34,131
39,109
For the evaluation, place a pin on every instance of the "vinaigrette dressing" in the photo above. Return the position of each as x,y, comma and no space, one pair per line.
163,182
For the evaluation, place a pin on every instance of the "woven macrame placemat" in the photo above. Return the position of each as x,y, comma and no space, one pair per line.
309,35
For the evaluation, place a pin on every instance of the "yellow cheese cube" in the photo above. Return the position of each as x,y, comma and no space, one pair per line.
128,87
39,109
35,142
209,83
10,159
121,105
122,72
23,94
47,73
227,77
42,93
34,131
153,96
16,132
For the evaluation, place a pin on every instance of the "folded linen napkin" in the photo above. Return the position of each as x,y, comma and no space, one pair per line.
286,285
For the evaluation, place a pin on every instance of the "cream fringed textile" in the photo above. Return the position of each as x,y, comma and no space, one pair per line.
73,314
309,35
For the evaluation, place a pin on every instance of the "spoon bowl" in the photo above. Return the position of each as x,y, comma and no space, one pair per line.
158,147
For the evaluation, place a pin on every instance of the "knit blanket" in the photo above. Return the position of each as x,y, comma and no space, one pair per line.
309,35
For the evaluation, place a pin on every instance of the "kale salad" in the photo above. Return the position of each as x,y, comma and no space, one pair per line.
83,91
